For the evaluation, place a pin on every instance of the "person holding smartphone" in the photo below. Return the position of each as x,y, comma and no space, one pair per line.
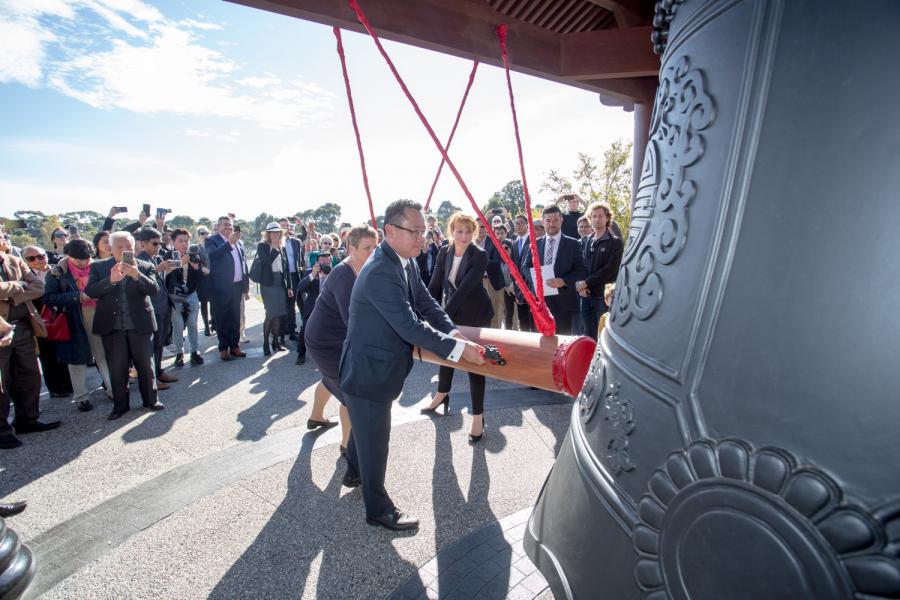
228,282
123,286
150,245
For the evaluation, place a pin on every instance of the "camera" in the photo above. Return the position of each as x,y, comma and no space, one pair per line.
73,230
194,253
326,269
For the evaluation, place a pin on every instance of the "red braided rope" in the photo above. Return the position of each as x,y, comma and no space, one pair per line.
543,320
462,104
362,157
535,259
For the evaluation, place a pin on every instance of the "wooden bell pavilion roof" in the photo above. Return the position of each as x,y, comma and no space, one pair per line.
598,45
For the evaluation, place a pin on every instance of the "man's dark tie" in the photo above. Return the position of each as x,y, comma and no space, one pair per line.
409,280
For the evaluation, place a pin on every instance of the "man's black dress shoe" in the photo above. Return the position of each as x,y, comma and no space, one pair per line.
351,480
155,407
301,358
395,521
116,414
179,359
292,336
36,426
9,441
11,509
196,359
60,394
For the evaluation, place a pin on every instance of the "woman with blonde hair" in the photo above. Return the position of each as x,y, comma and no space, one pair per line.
457,284
274,283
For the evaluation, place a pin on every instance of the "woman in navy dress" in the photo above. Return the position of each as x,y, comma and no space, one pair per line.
458,284
326,328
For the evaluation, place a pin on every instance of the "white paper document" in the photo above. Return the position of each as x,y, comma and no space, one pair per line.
546,273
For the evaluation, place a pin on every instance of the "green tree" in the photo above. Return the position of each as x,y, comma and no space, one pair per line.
511,197
327,216
184,222
444,211
609,181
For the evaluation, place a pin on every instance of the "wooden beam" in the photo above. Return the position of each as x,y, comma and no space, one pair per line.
608,54
622,92
628,13
463,28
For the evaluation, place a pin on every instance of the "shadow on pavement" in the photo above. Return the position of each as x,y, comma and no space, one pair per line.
327,526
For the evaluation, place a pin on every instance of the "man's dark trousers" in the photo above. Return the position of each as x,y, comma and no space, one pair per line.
122,348
159,338
227,313
372,427
21,378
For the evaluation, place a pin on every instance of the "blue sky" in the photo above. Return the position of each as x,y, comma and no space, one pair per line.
208,107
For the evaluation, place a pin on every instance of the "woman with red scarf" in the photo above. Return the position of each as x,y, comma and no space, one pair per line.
64,291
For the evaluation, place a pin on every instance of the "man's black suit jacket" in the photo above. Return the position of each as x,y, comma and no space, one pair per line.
568,265
109,303
494,272
221,264
389,314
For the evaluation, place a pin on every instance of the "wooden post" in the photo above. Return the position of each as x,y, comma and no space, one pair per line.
642,113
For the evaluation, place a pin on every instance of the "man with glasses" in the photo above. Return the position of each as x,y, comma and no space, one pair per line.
150,244
202,288
390,312
20,378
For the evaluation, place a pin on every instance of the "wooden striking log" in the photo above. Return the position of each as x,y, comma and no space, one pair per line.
555,363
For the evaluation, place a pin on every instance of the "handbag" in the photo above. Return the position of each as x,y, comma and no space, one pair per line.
256,270
57,325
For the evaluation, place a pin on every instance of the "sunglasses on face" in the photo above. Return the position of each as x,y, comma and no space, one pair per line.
36,257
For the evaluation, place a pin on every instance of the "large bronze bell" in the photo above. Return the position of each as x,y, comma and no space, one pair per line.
737,435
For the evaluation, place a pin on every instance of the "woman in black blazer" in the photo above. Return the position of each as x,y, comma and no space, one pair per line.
274,284
457,283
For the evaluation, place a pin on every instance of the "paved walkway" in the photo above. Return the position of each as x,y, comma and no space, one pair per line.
226,495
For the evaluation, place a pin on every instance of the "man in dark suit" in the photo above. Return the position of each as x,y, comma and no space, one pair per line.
293,246
390,312
124,319
149,241
602,252
563,254
494,281
426,258
228,281
520,247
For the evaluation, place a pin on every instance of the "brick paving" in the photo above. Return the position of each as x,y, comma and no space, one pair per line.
487,564
64,549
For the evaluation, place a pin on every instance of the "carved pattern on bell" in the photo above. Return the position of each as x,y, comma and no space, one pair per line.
824,540
659,224
617,413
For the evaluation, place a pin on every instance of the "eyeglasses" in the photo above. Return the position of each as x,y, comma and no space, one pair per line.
416,232
156,243
36,257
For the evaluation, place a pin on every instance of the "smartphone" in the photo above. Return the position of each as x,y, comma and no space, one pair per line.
175,261
237,228
119,209
128,257
231,215
73,230
15,223
162,212
146,210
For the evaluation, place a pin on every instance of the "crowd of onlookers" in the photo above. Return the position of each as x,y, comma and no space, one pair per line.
117,301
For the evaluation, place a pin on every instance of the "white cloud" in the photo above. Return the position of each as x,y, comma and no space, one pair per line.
152,64
230,137
22,51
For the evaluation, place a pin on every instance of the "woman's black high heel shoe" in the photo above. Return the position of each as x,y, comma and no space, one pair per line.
474,439
434,411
